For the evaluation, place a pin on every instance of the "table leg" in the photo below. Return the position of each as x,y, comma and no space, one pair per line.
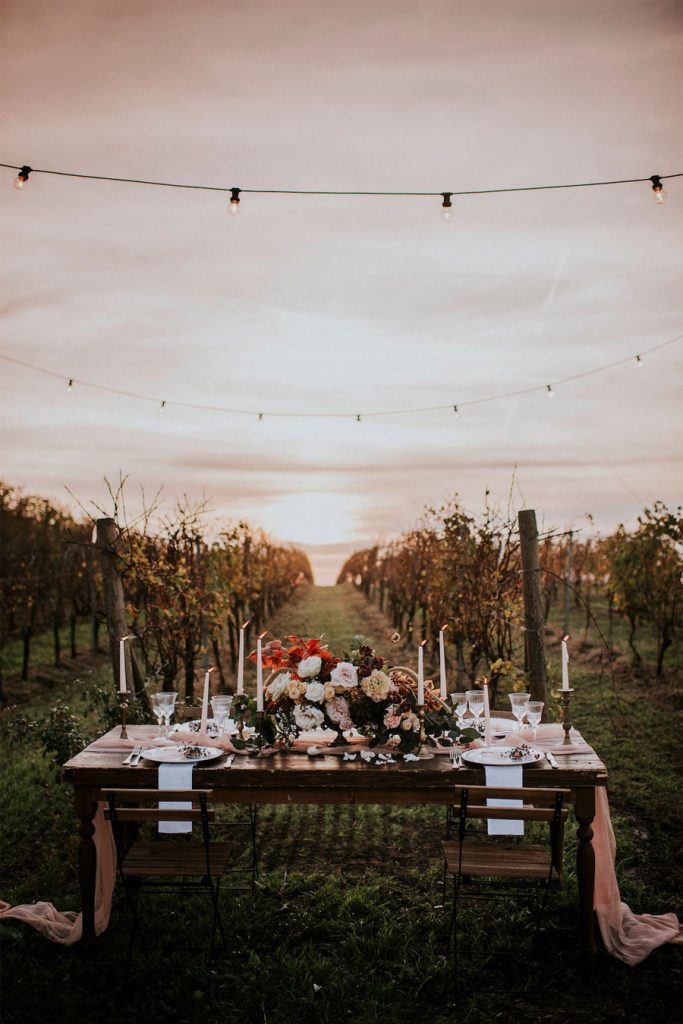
584,809
87,863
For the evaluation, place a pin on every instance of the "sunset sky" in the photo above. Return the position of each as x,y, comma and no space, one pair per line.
337,304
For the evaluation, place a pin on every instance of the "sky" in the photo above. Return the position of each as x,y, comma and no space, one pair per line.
339,304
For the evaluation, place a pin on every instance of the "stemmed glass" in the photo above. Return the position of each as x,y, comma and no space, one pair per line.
163,705
459,701
519,703
220,709
534,712
475,700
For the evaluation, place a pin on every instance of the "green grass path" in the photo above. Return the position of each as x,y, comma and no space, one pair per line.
340,613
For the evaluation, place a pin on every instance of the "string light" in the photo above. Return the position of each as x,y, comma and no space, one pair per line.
234,206
70,385
639,362
260,417
454,409
22,177
656,180
446,206
658,189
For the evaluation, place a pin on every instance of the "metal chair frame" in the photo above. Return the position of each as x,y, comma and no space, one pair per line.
134,886
555,817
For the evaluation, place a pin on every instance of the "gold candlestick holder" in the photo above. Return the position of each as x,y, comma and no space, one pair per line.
422,752
566,697
123,709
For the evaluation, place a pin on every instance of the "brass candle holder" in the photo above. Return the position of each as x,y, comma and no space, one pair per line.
123,709
566,697
422,752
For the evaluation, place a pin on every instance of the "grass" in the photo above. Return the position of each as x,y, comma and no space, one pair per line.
348,923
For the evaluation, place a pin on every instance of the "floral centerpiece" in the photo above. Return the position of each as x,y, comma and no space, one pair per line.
310,688
306,690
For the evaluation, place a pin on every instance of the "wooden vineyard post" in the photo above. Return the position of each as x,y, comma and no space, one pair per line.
106,536
534,623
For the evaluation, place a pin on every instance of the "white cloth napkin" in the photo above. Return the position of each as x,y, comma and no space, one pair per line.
505,776
175,776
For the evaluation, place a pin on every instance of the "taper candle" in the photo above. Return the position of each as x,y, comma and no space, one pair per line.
565,663
442,662
421,673
123,687
205,703
240,659
259,674
488,731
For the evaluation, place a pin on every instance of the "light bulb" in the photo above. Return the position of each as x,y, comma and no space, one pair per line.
639,362
447,214
658,193
234,205
446,206
22,177
456,411
70,385
162,406
549,389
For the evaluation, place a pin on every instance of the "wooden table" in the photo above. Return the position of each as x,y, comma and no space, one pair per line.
298,779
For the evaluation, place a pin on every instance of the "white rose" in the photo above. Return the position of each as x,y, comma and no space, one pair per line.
315,692
309,667
307,717
278,686
345,675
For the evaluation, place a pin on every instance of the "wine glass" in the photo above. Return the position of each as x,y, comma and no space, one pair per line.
459,701
162,706
220,709
519,703
475,701
534,712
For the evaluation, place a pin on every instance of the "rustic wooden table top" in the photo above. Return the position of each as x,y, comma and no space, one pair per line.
297,775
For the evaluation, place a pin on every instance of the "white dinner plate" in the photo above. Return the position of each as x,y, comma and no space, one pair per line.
174,755
500,756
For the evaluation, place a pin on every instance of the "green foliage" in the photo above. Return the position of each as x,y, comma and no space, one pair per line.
59,731
103,702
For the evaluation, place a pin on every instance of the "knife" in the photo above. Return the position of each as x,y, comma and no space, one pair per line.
551,760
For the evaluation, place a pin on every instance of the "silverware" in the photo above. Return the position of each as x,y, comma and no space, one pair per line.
551,760
135,753
230,759
454,755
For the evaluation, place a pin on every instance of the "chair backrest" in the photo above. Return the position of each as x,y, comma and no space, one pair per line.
119,809
549,805
537,804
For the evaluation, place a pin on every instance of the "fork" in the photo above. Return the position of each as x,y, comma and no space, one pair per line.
454,755
134,754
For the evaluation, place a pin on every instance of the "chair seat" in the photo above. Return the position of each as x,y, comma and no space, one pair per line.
174,858
508,860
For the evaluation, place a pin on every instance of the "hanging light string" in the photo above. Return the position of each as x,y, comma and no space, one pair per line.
445,197
162,404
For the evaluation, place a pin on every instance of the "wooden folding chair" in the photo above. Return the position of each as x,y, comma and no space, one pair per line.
165,864
482,865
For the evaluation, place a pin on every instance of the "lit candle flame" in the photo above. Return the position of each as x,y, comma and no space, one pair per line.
245,624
